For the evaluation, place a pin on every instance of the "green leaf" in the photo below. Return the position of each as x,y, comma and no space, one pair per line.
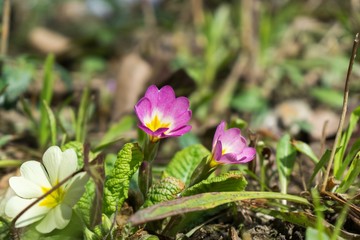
4,229
52,122
351,175
312,233
328,96
324,159
167,189
15,80
345,138
185,161
355,148
253,98
117,183
305,149
45,96
230,181
203,201
83,207
116,130
285,159
81,120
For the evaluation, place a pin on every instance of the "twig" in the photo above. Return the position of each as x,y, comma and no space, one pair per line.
5,27
343,114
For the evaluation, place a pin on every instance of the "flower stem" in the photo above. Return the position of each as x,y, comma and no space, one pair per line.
150,150
202,171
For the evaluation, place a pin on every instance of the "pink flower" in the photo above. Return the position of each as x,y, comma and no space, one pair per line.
163,115
229,147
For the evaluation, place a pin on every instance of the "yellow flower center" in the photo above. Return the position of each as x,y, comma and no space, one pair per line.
53,199
156,123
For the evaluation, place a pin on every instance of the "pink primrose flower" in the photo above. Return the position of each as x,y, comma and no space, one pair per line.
163,115
229,147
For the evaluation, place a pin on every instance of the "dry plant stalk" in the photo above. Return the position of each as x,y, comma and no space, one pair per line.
343,114
5,27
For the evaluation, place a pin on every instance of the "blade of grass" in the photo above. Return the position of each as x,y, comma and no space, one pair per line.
324,159
339,222
319,213
52,123
355,148
4,163
351,175
338,158
81,116
45,96
343,114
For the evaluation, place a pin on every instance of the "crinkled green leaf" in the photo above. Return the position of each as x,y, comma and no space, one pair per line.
166,189
230,181
117,183
83,207
185,161
4,229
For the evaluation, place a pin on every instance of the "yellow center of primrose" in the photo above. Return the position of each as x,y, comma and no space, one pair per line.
53,199
154,125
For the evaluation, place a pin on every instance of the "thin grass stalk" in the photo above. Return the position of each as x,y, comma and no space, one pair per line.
343,114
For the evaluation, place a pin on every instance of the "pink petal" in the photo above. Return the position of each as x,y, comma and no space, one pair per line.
157,133
229,158
217,151
219,131
181,120
247,155
143,109
166,94
179,132
152,94
177,107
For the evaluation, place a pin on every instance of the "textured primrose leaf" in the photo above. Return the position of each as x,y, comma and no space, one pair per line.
166,189
118,182
4,229
83,207
185,161
230,181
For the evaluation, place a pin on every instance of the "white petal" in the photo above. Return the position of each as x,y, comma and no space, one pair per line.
25,188
58,218
52,160
68,163
35,172
75,189
15,205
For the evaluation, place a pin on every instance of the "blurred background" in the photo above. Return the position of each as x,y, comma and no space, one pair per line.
268,67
